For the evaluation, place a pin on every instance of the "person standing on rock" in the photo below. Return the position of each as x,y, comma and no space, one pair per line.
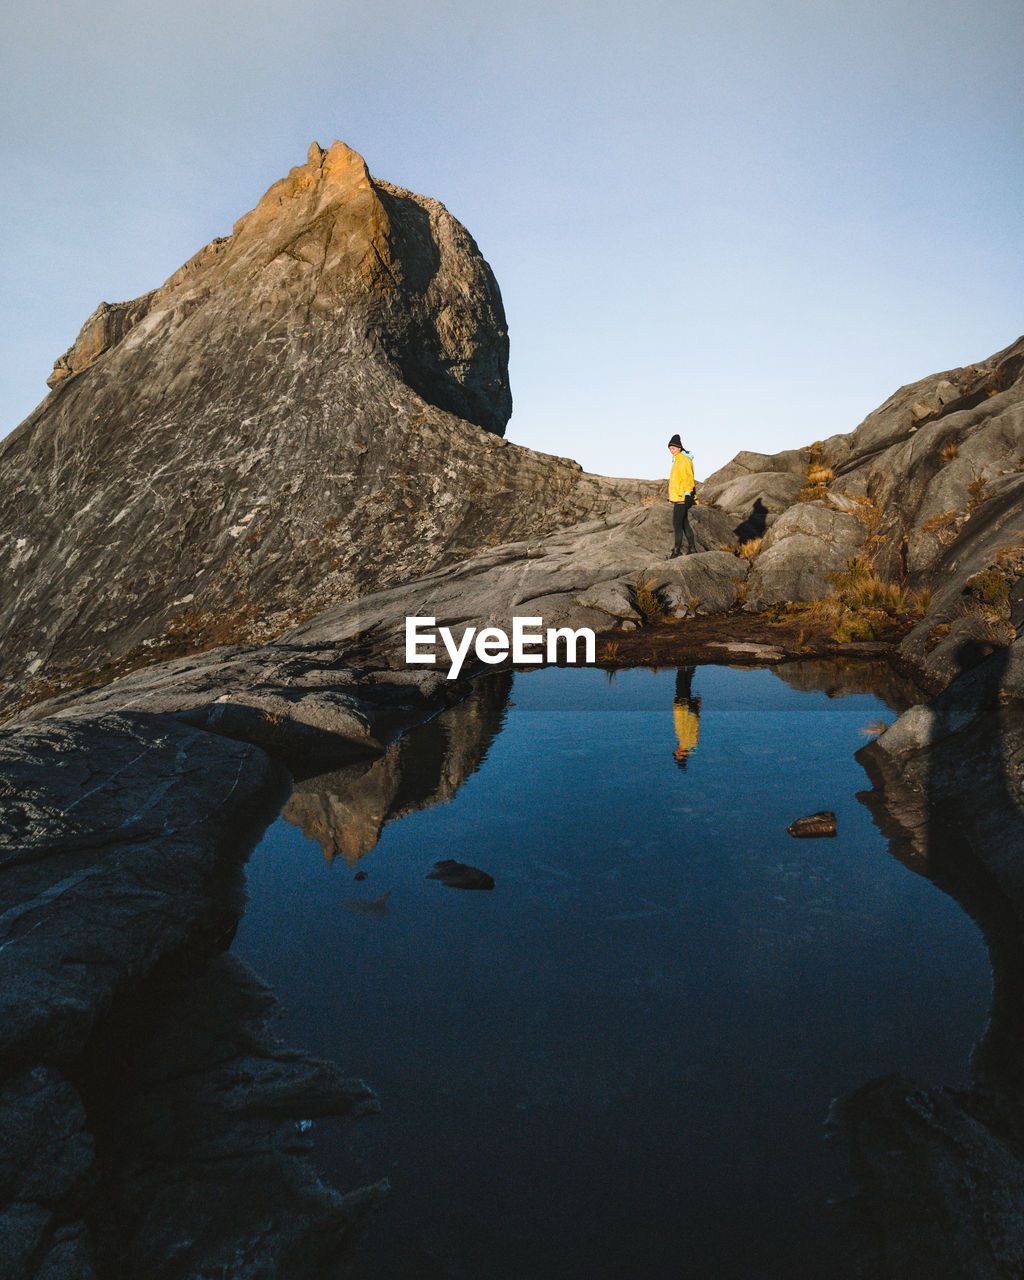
681,494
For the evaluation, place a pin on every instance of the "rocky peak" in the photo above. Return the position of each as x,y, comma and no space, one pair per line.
308,409
328,237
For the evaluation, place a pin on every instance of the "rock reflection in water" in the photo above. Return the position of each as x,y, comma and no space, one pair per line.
940,1171
346,810
838,677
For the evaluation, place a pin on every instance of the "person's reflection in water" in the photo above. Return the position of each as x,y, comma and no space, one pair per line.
686,716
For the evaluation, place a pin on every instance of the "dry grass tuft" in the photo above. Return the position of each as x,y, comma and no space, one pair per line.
944,526
648,602
863,605
977,494
818,475
1011,559
868,511
921,601
745,550
950,452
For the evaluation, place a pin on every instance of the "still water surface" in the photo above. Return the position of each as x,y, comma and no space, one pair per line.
618,1063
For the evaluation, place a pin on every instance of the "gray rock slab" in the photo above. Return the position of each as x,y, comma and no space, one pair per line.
204,1168
752,496
594,566
46,1163
114,832
122,839
806,544
307,707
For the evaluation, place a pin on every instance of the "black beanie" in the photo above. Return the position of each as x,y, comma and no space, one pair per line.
675,441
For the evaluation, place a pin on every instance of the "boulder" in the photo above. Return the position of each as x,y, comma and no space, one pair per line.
807,543
747,463
614,599
706,582
754,497
814,825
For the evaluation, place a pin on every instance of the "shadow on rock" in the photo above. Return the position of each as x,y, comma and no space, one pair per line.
151,1126
202,1120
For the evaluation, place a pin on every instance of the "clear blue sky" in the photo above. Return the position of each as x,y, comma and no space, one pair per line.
745,220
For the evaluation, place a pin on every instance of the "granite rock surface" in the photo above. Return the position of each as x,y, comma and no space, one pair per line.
310,408
935,478
148,1114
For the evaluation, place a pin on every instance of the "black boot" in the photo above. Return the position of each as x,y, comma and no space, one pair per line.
676,551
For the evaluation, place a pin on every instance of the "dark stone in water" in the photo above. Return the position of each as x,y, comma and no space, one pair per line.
457,875
361,875
815,824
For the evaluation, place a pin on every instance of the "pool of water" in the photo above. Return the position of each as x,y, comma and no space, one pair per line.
619,1061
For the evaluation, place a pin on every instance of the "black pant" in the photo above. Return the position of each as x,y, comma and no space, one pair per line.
681,522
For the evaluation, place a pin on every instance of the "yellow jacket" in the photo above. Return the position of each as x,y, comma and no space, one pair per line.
680,479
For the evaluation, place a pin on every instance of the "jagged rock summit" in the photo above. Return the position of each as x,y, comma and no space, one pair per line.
308,409
324,243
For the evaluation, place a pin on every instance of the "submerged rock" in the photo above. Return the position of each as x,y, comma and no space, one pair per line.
457,875
815,824
372,908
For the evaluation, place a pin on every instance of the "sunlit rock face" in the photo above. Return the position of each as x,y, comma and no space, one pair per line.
310,408
928,490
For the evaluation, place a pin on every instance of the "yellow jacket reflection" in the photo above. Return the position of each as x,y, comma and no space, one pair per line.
685,716
687,722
